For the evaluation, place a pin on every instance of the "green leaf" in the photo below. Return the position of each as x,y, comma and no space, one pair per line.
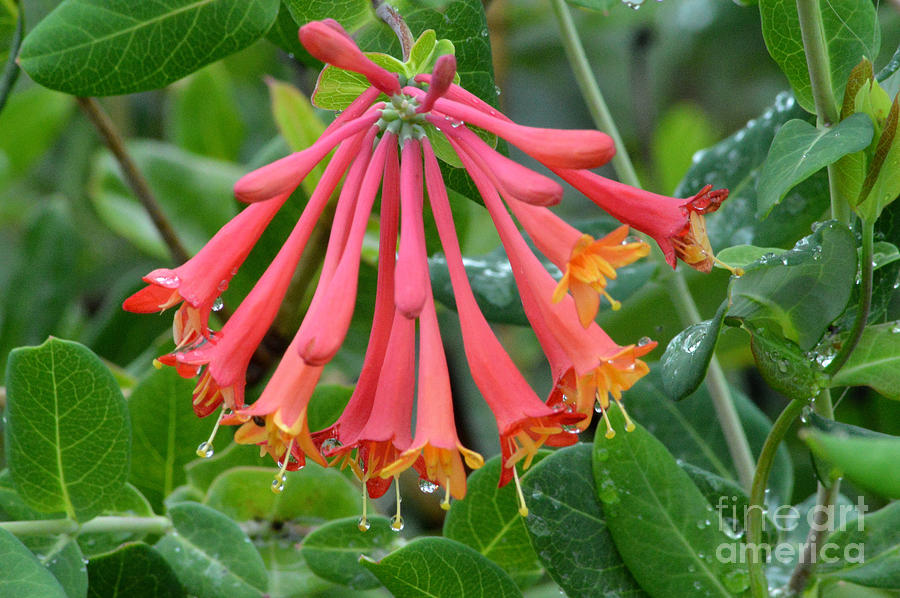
298,124
165,431
741,256
22,575
800,149
882,183
875,362
12,28
130,503
210,554
195,193
668,535
68,437
488,520
135,570
311,495
351,14
785,367
799,294
567,527
326,405
683,129
284,35
867,462
289,574
684,428
870,548
687,356
435,566
337,88
31,122
202,472
850,28
66,563
333,550
102,47
205,118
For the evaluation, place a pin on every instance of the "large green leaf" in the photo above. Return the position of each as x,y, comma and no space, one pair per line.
668,535
210,554
865,550
66,563
110,47
850,29
687,356
787,369
289,574
311,495
22,575
31,122
798,294
800,149
135,570
204,118
68,436
333,550
869,462
165,431
875,361
487,519
195,192
441,567
568,528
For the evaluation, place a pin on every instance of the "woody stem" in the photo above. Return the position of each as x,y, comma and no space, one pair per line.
718,388
394,20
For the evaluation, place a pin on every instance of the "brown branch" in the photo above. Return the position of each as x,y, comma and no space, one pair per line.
394,20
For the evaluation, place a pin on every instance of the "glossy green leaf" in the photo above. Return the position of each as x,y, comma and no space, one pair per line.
165,433
333,550
205,119
351,14
568,528
13,508
433,566
850,28
866,550
684,428
210,554
735,163
667,534
875,361
298,124
687,356
311,495
289,574
284,35
800,149
195,192
867,462
22,574
12,29
129,503
66,563
785,367
741,256
487,519
135,570
100,47
68,436
800,293
202,472
337,88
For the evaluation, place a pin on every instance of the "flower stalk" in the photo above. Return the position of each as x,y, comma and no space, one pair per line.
148,525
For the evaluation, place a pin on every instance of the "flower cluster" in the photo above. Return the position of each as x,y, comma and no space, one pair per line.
380,145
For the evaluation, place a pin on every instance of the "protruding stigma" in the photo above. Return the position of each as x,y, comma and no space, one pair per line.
397,519
629,425
445,504
523,509
610,432
363,523
205,449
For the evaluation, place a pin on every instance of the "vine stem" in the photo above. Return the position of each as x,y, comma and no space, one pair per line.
758,585
717,385
148,525
133,176
394,20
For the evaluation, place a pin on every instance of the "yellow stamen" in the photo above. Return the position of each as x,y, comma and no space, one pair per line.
397,520
629,425
205,450
523,509
613,304
445,504
735,270
157,364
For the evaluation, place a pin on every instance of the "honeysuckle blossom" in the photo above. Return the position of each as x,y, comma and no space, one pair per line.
382,144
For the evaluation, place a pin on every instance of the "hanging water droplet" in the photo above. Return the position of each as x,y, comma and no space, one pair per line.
278,483
397,523
427,487
223,284
330,444
218,304
571,429
205,450
630,239
363,524
484,33
895,329
644,341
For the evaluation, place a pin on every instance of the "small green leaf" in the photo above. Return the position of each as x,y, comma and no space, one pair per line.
195,193
311,495
868,462
850,29
22,575
667,534
875,361
568,528
741,256
165,433
434,566
135,570
687,356
210,554
66,562
867,550
785,367
100,47
68,436
799,294
333,550
130,503
337,88
800,149
298,124
487,519
351,14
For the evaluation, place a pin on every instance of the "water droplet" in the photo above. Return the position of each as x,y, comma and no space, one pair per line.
218,304
397,523
427,487
608,492
278,483
895,329
330,444
783,366
601,454
363,524
644,341
631,239
571,429
223,284
737,581
205,450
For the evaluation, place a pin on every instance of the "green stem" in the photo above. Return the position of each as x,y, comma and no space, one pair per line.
813,33
42,527
758,584
865,301
718,388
